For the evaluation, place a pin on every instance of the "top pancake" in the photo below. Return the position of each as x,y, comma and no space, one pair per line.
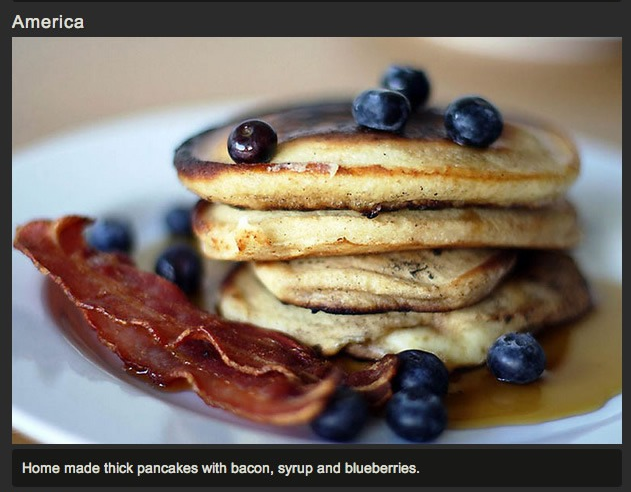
324,160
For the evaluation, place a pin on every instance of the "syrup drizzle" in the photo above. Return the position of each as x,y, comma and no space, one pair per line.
584,369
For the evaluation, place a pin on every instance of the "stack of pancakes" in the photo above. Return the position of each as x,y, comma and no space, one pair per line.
369,242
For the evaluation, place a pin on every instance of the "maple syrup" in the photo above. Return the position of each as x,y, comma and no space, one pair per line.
584,370
584,367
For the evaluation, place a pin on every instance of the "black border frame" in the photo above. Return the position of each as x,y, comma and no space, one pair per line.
173,19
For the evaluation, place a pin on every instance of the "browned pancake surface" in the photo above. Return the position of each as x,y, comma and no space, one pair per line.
231,233
325,160
421,280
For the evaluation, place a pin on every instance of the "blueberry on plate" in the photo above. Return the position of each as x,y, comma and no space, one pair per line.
473,121
179,221
252,141
110,235
516,358
416,414
409,81
381,109
344,416
181,264
418,368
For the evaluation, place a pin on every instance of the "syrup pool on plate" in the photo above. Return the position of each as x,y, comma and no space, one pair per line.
584,366
584,370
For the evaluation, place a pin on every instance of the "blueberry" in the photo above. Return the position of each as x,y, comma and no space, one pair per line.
344,416
421,369
179,221
473,121
410,82
181,264
110,235
516,358
416,414
252,141
381,109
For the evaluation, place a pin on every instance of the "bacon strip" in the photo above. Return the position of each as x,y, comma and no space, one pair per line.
374,381
150,324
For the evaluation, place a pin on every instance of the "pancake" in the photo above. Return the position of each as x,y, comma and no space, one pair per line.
546,288
230,233
422,280
324,160
242,297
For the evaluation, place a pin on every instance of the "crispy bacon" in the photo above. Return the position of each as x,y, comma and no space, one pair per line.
151,325
374,381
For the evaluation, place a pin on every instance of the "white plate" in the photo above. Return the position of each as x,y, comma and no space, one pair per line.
65,392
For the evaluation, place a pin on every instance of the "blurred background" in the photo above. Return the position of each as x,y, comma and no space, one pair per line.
62,83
